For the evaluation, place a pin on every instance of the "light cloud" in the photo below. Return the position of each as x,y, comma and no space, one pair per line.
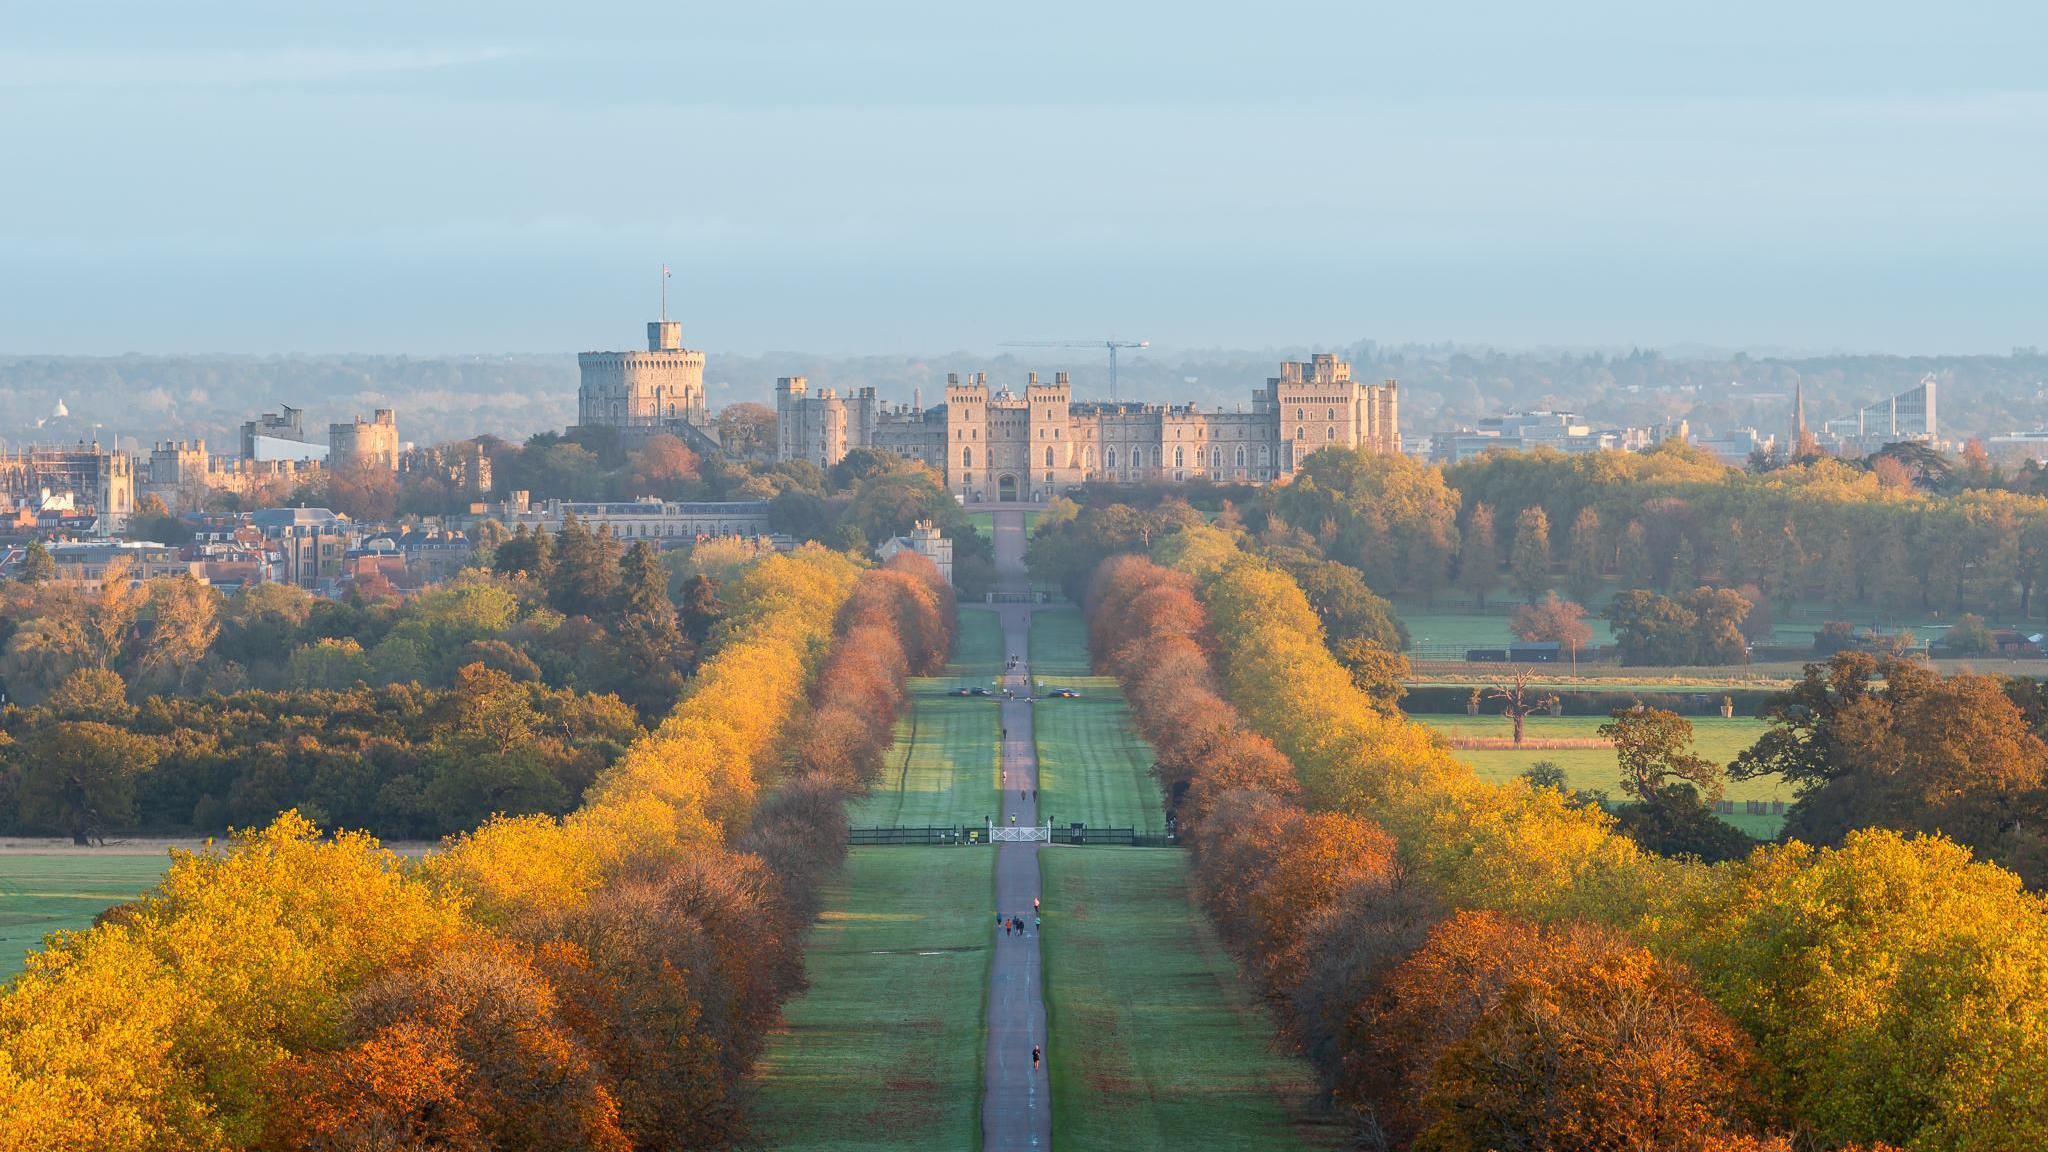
231,69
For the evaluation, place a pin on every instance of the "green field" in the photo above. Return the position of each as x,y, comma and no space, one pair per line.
43,893
946,765
1594,768
1091,766
977,645
1059,646
885,1049
1154,1042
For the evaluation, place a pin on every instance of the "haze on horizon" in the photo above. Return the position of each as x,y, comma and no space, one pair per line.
895,177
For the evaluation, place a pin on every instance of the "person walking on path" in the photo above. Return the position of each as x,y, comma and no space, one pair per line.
1034,904
1036,1055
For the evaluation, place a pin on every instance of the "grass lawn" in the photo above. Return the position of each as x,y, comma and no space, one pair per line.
977,645
885,1049
1154,1042
40,894
1716,739
946,765
985,522
1091,766
1059,645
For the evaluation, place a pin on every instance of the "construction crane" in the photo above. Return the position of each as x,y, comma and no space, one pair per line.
1112,345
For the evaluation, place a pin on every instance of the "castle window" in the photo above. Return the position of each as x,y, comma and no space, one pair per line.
1048,459
1179,457
1300,433
1300,414
1332,415
1240,456
1331,433
1109,457
967,457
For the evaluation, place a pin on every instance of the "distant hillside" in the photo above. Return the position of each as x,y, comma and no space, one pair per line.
144,398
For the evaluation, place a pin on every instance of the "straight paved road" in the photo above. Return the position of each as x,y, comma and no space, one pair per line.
1015,1107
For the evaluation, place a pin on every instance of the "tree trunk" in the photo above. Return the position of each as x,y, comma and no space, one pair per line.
1519,717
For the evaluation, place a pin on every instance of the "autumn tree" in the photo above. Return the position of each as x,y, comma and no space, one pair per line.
1499,1033
1553,621
1889,742
469,1050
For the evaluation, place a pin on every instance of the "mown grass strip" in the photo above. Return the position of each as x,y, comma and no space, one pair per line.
1153,1040
884,1050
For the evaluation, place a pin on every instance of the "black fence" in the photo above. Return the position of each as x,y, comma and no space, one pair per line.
951,834
1125,837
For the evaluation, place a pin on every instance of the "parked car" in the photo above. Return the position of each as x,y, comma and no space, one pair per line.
1064,694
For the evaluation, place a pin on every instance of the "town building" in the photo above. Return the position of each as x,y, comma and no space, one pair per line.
1908,416
96,482
364,445
278,435
995,445
85,563
309,545
183,473
927,541
665,523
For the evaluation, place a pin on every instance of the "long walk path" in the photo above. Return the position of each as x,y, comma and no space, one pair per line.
1016,1111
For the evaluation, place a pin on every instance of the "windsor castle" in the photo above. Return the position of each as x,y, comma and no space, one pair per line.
992,444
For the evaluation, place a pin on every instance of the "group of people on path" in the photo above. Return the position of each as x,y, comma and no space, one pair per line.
1014,925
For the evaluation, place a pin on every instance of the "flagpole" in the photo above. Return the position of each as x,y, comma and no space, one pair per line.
664,293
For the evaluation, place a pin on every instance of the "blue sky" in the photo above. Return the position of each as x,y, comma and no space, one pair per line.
886,176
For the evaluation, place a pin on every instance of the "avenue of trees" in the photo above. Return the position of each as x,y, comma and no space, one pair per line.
1478,966
602,980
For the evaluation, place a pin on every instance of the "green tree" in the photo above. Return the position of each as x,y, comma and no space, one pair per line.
37,565
1672,788
1652,629
79,776
526,554
1638,569
1582,576
1530,560
586,571
1479,556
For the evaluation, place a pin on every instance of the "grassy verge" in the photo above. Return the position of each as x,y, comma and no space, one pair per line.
43,894
1154,1042
885,1049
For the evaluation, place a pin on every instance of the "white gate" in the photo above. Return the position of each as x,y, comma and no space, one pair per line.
1012,834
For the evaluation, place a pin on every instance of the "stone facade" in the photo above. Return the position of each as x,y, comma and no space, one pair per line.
92,476
661,389
369,445
999,446
927,541
182,473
